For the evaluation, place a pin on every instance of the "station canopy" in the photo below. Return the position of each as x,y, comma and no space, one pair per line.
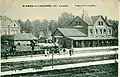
91,38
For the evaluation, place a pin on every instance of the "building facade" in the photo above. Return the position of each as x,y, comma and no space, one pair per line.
8,26
91,32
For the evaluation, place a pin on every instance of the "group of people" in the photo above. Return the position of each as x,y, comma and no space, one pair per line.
48,51
51,50
71,52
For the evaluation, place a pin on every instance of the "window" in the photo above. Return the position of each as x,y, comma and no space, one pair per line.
110,32
104,30
77,44
96,31
91,31
76,22
79,23
100,23
101,31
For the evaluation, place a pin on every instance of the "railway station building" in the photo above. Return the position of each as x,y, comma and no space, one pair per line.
93,32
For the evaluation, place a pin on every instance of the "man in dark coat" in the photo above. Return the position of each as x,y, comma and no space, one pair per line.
32,45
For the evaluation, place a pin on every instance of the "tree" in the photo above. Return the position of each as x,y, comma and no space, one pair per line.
53,25
65,19
114,25
22,25
36,27
28,26
45,28
45,24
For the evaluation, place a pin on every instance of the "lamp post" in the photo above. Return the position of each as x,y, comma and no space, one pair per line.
52,57
55,47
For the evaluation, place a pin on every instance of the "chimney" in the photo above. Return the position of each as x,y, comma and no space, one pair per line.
105,18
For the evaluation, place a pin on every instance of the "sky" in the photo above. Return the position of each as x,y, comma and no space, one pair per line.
15,10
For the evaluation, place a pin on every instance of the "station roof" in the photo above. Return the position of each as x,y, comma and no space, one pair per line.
71,32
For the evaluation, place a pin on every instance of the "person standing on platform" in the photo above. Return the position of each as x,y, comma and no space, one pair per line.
45,52
48,52
70,52
32,45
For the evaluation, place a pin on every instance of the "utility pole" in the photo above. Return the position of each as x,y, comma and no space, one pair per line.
83,14
55,48
52,57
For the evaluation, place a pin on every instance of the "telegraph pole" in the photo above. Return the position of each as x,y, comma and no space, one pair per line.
52,57
83,14
55,47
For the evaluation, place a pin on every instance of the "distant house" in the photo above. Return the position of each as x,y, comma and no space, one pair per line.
9,26
93,32
21,41
21,38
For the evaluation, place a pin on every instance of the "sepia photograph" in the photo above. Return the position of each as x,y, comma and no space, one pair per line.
59,38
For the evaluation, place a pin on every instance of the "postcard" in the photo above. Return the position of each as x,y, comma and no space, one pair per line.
59,38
